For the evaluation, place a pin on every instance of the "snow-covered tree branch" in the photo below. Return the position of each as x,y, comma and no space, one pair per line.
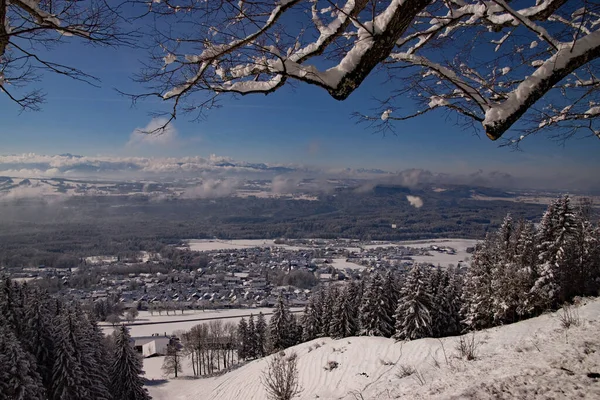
27,26
501,65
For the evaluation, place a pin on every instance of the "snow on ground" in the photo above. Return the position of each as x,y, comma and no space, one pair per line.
531,359
167,324
216,244
341,263
443,259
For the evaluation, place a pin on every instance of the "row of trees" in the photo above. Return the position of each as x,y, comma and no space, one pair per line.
523,270
50,350
211,347
517,272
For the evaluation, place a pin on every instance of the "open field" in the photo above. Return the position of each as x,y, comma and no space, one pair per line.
532,359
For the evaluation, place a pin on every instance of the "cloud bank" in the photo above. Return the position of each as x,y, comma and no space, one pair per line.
212,171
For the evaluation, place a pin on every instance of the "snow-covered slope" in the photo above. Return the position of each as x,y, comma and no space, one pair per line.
532,359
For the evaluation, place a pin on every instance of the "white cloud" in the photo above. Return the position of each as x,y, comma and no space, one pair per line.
415,201
285,184
212,188
153,134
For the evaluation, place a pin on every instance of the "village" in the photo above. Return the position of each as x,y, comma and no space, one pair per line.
243,274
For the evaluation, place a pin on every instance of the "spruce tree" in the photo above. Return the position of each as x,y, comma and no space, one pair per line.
309,321
413,319
252,339
374,318
477,295
95,357
320,306
452,305
556,241
391,294
261,335
344,322
279,326
437,281
126,369
68,378
38,335
19,379
242,333
328,309
525,261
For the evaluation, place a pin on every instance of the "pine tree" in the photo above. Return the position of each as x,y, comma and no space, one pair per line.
126,370
19,379
261,335
413,319
279,326
374,319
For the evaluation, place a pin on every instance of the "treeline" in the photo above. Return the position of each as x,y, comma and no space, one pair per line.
519,271
51,350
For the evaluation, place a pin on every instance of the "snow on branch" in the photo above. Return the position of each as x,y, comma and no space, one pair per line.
492,62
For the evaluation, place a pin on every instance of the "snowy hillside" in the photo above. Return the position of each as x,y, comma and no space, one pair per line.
536,358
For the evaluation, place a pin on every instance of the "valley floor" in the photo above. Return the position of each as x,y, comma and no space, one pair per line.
533,359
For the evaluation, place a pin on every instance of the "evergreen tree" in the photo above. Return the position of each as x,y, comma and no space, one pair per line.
437,280
556,241
374,319
38,335
477,295
320,306
344,322
126,370
68,379
19,379
261,335
453,302
328,309
391,295
310,320
93,355
11,305
279,326
525,260
295,330
413,319
252,339
242,332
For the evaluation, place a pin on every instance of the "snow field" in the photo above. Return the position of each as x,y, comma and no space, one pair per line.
190,318
536,358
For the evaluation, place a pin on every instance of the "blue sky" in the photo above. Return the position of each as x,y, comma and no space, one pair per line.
300,125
